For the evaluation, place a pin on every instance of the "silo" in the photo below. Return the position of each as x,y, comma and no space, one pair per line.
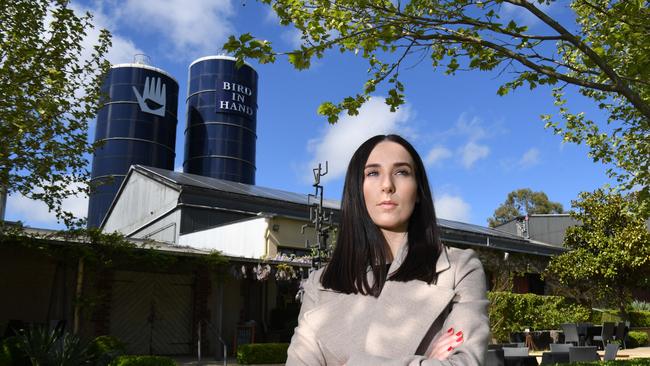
137,125
220,136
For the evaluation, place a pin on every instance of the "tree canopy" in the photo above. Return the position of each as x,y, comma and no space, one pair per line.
50,89
609,254
603,52
522,202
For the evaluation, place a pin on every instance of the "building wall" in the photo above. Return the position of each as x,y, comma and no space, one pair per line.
511,227
244,238
35,288
165,230
142,201
287,233
195,219
550,229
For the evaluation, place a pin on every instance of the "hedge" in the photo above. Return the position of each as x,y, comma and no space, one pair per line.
143,361
638,318
105,349
637,339
261,353
513,312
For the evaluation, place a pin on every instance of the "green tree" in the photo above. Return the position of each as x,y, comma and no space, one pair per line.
523,202
50,89
603,51
611,249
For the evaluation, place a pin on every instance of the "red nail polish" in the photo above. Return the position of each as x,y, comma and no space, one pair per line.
459,339
450,330
459,333
450,348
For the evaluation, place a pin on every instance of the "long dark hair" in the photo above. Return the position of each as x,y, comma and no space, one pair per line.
361,243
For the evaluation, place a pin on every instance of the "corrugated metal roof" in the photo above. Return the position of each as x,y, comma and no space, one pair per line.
187,179
457,225
451,231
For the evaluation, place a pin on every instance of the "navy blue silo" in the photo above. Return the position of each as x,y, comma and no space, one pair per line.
220,136
137,125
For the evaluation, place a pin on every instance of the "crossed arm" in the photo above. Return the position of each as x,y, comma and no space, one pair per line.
463,340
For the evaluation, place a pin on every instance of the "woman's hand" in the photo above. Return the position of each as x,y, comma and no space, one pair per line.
445,344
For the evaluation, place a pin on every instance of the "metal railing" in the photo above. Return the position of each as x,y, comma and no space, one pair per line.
218,338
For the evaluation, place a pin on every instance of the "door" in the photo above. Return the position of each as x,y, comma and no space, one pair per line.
152,312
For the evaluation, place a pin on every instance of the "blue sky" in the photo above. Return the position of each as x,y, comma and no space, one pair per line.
477,146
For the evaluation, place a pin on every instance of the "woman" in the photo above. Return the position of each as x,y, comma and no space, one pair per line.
392,294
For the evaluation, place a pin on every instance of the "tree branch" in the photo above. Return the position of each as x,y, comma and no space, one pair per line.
619,85
523,59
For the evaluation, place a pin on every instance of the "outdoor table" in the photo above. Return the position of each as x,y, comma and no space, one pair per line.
521,361
550,358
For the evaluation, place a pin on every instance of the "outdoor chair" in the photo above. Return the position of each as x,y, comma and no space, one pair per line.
610,352
607,334
570,333
621,333
588,353
560,347
515,351
583,330
495,358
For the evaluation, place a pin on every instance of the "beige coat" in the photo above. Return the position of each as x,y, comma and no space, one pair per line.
397,327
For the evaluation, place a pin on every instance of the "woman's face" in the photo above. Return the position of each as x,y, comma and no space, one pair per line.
389,186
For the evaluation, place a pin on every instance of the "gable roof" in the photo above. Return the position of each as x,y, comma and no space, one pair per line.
198,181
451,231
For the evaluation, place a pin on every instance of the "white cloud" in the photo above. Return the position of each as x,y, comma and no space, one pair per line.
437,155
191,27
339,141
470,127
521,15
530,158
468,133
36,214
452,208
122,49
472,152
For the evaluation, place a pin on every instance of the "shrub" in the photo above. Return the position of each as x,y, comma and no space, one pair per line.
640,305
637,339
610,316
46,346
104,349
638,318
513,312
143,361
260,353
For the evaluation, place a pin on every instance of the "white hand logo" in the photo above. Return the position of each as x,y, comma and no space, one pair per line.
153,97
